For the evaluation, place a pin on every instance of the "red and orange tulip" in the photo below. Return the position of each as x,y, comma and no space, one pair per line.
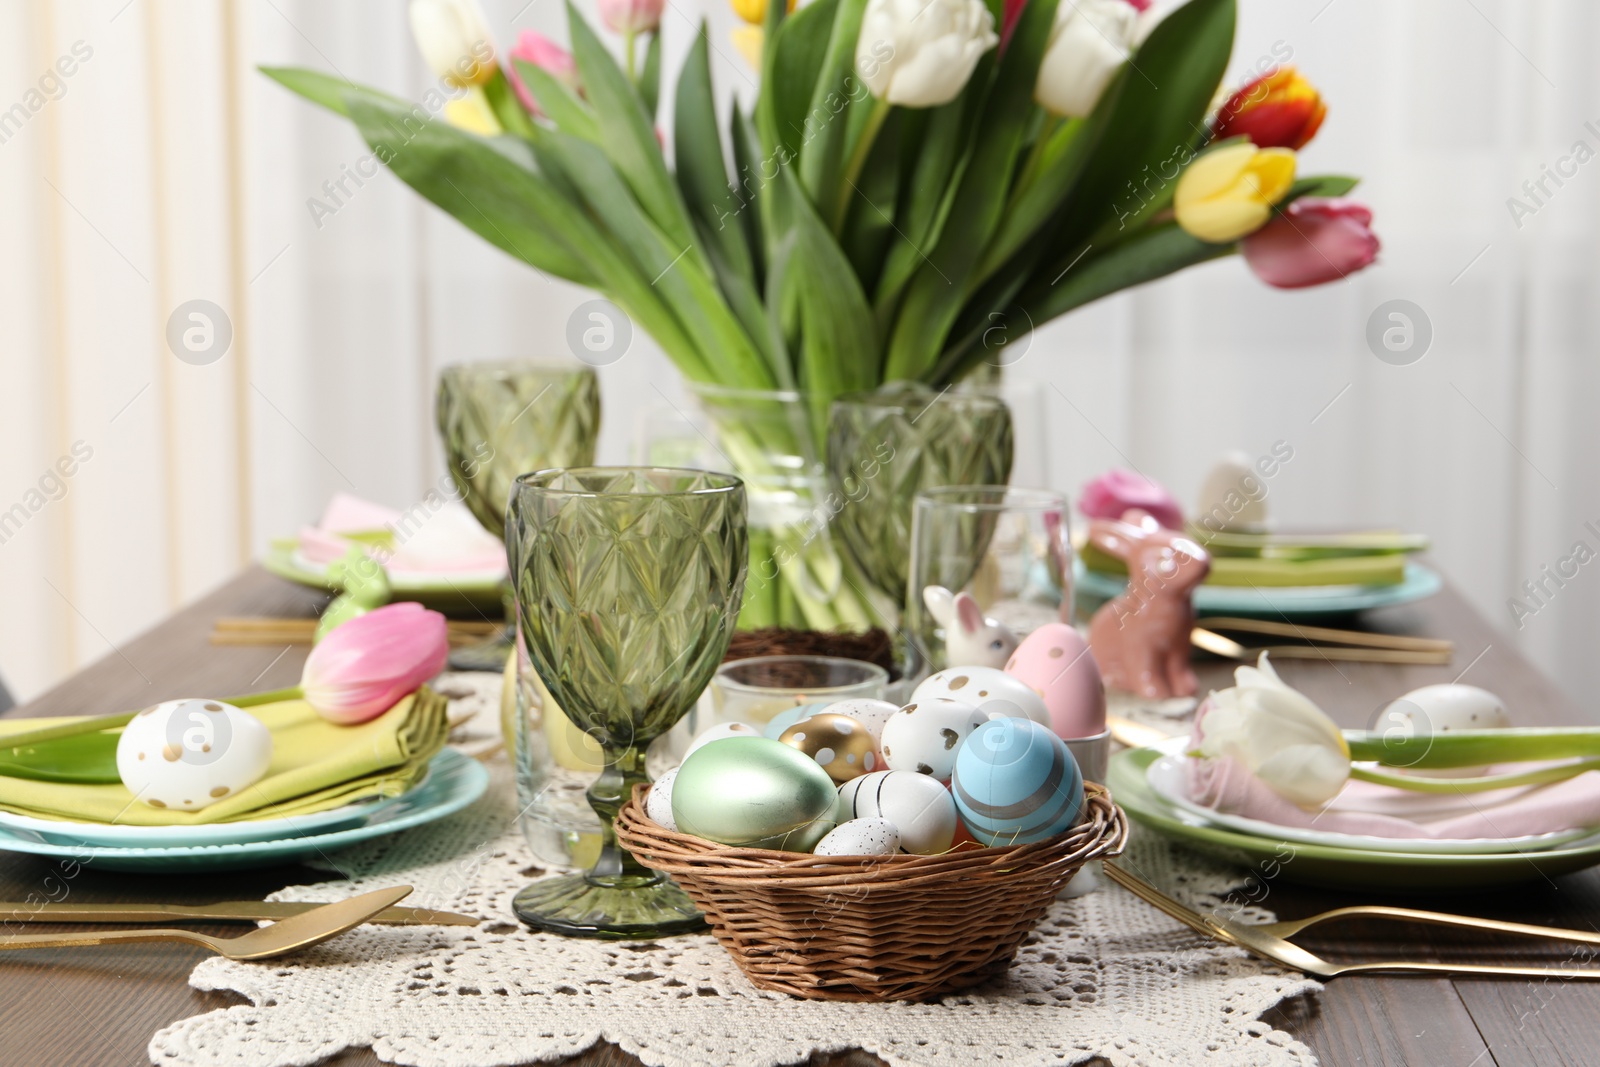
1280,109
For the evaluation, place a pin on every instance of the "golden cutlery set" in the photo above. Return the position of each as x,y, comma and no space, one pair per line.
1321,643
298,925
1270,940
271,630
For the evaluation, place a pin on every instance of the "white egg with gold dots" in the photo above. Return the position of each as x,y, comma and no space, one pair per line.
184,755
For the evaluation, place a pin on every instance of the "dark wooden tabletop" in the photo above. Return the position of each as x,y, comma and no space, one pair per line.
94,1006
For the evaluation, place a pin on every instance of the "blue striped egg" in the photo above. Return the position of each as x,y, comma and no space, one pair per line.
788,717
1016,782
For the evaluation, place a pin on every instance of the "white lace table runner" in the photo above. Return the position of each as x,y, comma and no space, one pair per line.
1103,975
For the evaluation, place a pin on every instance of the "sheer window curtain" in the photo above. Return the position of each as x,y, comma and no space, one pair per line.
163,169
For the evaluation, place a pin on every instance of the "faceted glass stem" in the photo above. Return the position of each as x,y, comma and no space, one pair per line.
618,898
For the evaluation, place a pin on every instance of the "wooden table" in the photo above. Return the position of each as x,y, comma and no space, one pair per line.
93,1006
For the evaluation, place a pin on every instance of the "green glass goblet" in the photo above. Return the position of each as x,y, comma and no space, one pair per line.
499,420
885,447
628,583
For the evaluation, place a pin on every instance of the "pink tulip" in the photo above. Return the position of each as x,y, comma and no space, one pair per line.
1314,240
631,16
1115,491
539,50
364,666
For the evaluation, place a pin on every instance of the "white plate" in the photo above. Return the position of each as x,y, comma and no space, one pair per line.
1168,779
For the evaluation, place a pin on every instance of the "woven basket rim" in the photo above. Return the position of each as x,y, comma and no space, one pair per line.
1101,832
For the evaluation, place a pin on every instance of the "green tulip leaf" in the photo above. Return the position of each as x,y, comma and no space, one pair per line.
650,76
317,87
564,107
937,292
628,136
1327,185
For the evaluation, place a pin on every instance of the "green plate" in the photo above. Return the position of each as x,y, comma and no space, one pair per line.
1328,867
450,595
1278,601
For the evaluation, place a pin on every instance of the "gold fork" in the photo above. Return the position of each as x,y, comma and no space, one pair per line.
1267,940
296,932
1228,648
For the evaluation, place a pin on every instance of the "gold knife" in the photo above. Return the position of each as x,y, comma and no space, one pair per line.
228,911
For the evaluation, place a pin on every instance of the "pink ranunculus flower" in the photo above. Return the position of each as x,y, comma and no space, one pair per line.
631,16
1114,492
1313,240
364,666
535,48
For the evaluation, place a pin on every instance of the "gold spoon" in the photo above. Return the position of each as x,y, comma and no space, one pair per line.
288,935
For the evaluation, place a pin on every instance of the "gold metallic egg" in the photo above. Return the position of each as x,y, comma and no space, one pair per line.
841,745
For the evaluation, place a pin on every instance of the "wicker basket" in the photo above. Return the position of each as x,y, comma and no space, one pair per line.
896,927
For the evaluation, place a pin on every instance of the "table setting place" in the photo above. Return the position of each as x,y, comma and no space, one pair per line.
827,730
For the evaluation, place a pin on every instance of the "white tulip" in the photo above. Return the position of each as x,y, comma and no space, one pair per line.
920,53
454,39
1089,42
1277,734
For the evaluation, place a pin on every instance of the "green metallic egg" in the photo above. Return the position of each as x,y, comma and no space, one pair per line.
754,792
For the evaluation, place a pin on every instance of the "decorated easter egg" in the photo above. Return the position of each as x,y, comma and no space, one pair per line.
1015,782
658,804
1054,662
754,792
924,735
868,712
840,745
187,754
1440,709
860,837
719,733
788,717
988,689
919,807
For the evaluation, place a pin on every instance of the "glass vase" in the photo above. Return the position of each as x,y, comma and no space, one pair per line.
797,577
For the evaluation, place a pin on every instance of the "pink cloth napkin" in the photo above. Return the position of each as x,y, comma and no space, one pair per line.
1384,811
445,540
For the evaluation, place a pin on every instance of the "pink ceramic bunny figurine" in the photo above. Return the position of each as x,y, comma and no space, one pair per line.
1141,638
970,639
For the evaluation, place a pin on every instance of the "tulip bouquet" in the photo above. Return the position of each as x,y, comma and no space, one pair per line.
917,183
911,170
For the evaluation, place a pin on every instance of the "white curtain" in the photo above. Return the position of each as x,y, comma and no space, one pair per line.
150,165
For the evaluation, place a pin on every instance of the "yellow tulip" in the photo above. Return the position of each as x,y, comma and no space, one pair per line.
471,112
749,40
754,11
1229,192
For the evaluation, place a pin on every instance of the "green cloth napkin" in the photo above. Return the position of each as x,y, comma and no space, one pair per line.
316,766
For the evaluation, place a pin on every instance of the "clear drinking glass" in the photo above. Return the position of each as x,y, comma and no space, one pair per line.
628,582
753,690
1011,548
499,420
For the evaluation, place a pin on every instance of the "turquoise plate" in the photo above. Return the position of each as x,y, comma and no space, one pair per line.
1276,602
1331,867
453,595
453,782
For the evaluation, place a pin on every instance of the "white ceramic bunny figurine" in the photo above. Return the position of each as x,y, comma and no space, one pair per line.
970,639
